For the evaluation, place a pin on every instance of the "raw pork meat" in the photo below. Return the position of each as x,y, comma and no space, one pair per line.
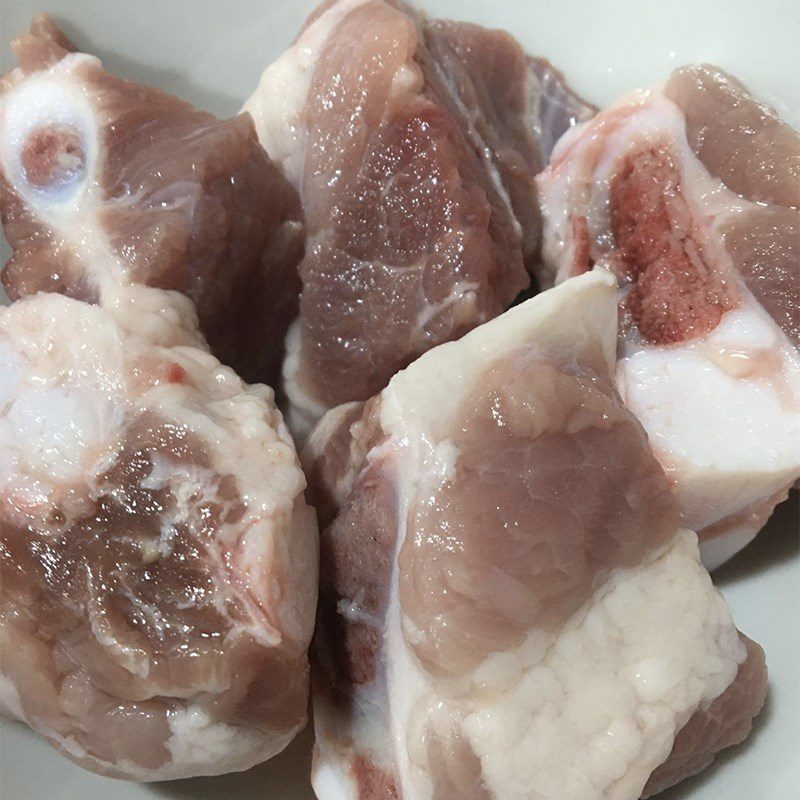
508,607
158,563
413,145
106,181
690,195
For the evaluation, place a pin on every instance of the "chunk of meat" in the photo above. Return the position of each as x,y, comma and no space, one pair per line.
690,195
724,723
507,602
158,563
107,181
413,145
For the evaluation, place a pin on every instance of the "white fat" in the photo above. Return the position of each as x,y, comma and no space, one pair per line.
10,703
161,473
718,549
597,712
722,412
277,105
70,745
304,410
11,372
61,413
407,80
196,739
331,779
165,318
55,428
444,459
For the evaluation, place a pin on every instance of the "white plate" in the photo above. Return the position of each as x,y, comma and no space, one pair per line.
211,53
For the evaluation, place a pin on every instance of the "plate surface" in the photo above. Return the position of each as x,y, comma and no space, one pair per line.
212,53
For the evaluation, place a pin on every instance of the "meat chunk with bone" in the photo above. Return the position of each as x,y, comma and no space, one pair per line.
158,563
508,607
690,194
105,181
413,145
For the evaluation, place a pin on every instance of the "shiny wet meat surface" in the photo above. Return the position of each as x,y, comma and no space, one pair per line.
414,156
536,435
158,560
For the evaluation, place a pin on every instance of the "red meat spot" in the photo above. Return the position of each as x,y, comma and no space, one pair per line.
373,783
676,293
175,373
580,237
52,155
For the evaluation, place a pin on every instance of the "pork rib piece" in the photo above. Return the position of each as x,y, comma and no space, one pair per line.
412,145
158,563
508,606
690,194
107,181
